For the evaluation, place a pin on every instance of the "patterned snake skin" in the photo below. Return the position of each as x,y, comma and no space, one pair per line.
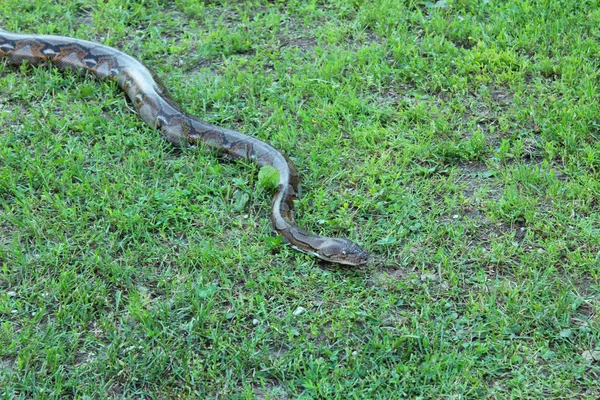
157,109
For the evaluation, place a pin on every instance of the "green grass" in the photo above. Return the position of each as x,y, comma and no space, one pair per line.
458,141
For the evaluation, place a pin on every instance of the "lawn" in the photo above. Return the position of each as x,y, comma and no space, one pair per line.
457,141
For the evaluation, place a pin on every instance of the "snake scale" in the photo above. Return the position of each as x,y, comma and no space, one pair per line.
157,109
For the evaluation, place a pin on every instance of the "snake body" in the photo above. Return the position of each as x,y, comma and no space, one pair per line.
154,105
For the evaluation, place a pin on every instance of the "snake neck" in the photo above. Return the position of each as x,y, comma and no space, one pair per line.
283,223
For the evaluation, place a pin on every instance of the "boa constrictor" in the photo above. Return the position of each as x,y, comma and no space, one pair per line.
157,109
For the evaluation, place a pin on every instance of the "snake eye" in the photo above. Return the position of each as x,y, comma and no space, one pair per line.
160,122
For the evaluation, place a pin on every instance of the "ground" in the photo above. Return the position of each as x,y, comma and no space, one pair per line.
457,141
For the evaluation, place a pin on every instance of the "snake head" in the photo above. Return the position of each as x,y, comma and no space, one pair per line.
342,251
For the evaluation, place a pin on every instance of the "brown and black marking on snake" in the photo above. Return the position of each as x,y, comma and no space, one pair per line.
154,105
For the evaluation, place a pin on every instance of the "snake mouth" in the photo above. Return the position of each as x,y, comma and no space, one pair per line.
356,260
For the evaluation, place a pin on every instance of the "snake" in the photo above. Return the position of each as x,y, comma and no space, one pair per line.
156,108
